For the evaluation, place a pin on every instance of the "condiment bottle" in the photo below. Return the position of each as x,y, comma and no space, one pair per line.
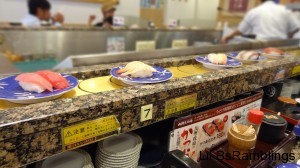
253,119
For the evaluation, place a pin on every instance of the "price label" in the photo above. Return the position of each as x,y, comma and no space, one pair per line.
296,70
179,44
279,75
88,132
146,112
180,104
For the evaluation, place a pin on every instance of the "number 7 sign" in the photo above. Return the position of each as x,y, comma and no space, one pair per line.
146,112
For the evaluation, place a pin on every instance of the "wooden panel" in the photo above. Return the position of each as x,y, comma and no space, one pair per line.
154,15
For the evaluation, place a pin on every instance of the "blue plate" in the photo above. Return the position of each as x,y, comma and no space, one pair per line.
230,63
10,90
236,53
160,75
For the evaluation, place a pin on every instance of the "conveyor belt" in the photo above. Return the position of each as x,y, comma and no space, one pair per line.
107,83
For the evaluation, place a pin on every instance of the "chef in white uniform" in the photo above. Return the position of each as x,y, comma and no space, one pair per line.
39,13
268,21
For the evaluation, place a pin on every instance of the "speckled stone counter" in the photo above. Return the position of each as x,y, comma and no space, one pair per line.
31,133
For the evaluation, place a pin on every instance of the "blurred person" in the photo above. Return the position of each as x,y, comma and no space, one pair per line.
108,11
39,13
268,21
293,5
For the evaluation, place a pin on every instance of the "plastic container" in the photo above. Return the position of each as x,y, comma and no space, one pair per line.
272,129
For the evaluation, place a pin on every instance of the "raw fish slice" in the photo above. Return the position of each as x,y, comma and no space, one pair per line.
32,78
273,51
137,69
129,66
58,81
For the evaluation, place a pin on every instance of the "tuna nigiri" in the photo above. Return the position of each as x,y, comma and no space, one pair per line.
33,82
58,81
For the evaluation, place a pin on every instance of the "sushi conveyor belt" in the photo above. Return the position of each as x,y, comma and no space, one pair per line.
108,83
34,132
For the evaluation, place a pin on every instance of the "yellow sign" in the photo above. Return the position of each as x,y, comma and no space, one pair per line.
146,112
180,104
145,45
88,132
296,70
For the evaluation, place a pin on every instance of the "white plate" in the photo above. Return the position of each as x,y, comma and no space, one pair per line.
274,56
231,63
121,145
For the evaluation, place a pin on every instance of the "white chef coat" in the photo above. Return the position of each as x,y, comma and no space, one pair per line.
31,21
269,21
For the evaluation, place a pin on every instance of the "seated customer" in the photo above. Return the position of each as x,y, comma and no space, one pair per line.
108,11
39,13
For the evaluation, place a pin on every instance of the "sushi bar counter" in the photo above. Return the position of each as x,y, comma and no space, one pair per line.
29,133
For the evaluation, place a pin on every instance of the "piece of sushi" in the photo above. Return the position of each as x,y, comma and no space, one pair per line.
57,81
248,55
33,83
273,51
219,59
209,128
136,69
219,124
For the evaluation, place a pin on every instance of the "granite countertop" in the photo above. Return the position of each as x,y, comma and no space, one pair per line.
39,124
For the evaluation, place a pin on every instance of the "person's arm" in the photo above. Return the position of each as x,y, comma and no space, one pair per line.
231,36
244,26
291,34
91,20
293,24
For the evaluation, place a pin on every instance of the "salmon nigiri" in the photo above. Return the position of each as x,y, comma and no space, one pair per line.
58,81
33,82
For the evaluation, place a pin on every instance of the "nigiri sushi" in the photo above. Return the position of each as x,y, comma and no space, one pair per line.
136,69
248,55
273,51
58,81
220,59
33,82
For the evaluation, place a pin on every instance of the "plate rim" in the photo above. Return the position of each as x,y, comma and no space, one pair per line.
70,89
241,63
265,58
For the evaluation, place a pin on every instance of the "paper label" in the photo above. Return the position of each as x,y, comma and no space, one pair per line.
296,70
179,44
279,75
88,132
115,44
118,21
146,112
145,45
180,104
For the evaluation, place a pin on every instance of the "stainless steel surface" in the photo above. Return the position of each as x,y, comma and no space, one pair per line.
63,43
94,59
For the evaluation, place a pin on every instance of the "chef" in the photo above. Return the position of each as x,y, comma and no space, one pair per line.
268,21
39,13
108,11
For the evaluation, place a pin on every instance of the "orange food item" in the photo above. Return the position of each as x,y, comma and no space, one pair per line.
271,50
58,81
